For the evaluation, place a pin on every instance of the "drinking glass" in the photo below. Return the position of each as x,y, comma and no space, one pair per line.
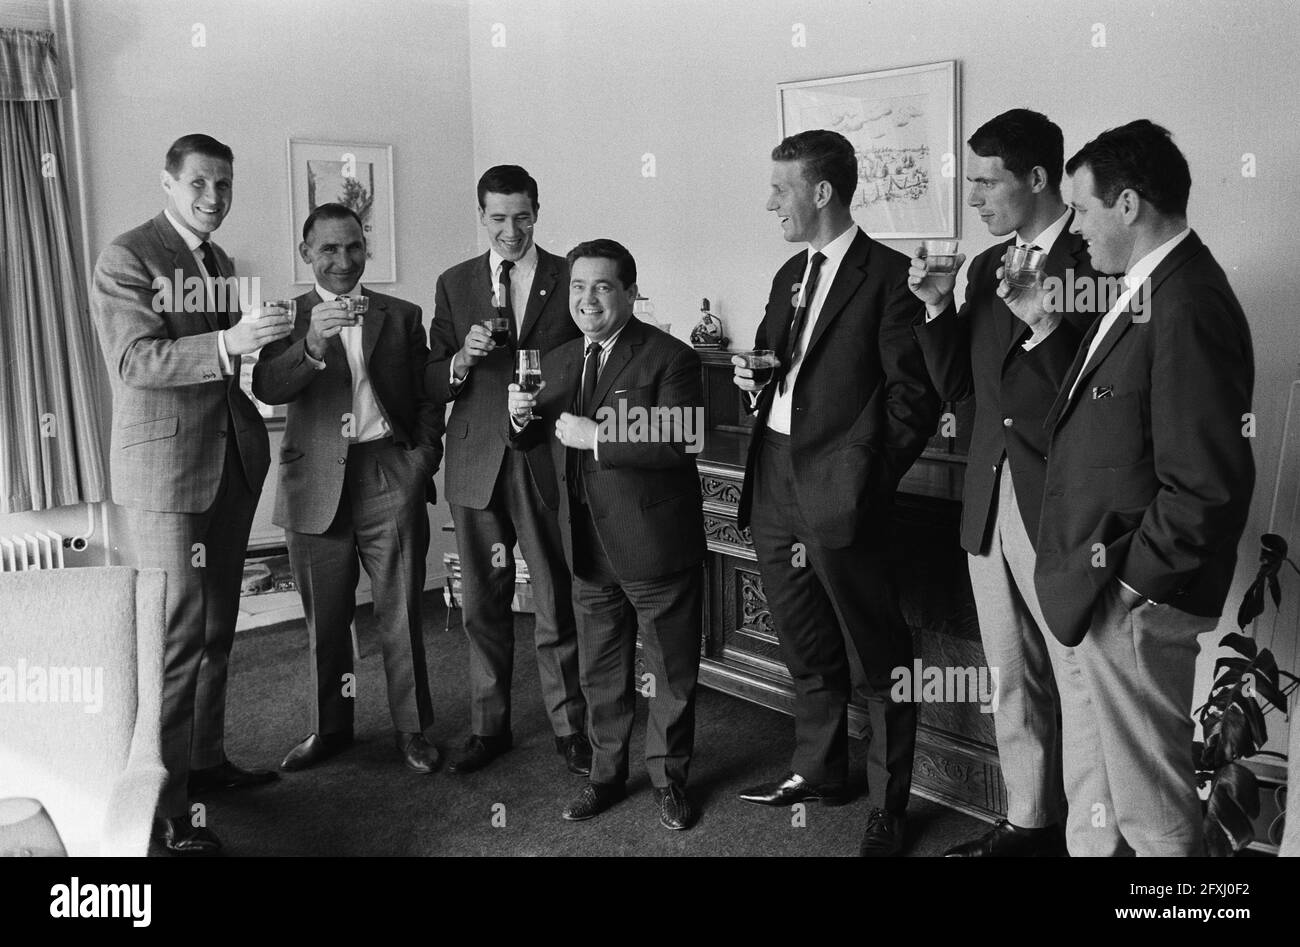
1022,265
762,362
529,375
940,257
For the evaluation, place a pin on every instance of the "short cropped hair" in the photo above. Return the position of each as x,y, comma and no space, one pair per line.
204,145
1024,140
507,179
824,156
1142,156
607,250
331,211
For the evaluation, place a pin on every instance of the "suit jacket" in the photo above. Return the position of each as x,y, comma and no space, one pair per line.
977,351
314,451
1149,476
172,408
644,495
478,427
863,402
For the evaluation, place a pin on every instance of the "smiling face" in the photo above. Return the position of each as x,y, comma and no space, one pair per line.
509,219
1110,240
598,302
201,193
336,251
794,201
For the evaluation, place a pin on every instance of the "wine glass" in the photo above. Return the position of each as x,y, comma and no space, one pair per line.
529,375
762,362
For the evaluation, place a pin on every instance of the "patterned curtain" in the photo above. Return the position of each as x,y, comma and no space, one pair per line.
50,453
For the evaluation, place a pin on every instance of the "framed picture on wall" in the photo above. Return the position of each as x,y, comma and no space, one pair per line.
357,175
903,126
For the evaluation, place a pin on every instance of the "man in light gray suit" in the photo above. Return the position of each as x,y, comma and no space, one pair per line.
360,444
188,456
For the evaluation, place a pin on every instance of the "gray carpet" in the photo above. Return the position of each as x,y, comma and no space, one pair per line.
364,802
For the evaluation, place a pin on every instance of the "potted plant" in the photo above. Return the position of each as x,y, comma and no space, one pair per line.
1248,685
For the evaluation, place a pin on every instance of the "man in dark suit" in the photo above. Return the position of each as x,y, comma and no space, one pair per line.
626,404
1148,486
361,440
497,496
848,413
1014,168
189,454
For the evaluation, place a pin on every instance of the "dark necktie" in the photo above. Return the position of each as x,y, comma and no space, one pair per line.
508,306
214,273
586,402
800,317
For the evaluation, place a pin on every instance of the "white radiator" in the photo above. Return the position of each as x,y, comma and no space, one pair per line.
22,551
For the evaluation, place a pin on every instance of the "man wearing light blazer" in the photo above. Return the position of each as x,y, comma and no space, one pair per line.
361,440
189,454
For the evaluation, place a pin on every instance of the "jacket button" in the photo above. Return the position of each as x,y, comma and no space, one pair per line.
343,460
221,434
1007,422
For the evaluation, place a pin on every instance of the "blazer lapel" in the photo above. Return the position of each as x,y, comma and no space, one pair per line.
183,261
849,276
544,280
371,326
619,356
482,290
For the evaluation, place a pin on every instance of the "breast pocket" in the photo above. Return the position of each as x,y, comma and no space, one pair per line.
1116,426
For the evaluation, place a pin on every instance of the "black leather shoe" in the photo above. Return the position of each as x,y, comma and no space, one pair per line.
179,837
478,752
228,776
884,835
315,749
794,788
418,753
594,799
675,810
576,750
1005,840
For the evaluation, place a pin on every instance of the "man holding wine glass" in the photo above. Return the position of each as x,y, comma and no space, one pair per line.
631,518
487,310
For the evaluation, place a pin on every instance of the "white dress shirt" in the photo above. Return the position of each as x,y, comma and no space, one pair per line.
1133,281
194,241
369,423
521,286
778,418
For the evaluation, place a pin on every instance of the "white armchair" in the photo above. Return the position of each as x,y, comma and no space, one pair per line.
81,670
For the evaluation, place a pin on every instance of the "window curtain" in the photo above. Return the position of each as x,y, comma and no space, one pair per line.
50,449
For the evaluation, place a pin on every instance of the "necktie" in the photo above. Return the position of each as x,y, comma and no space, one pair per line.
573,457
590,371
800,317
508,306
210,264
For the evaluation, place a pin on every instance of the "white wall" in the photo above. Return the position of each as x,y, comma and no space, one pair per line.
579,92
390,71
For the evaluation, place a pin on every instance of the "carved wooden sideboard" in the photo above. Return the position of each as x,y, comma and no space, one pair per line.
956,759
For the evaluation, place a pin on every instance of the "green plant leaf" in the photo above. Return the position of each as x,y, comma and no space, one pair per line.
1233,804
1239,643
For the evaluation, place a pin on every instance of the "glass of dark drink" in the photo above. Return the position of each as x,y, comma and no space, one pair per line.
499,326
528,375
762,362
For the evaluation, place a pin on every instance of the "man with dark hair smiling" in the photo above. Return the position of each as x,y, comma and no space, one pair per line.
189,454
631,518
1148,486
498,496
1014,371
847,414
361,440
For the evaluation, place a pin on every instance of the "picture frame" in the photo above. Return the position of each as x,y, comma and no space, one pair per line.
357,174
903,124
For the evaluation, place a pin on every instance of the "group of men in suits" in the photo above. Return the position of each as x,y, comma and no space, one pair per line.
1107,486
